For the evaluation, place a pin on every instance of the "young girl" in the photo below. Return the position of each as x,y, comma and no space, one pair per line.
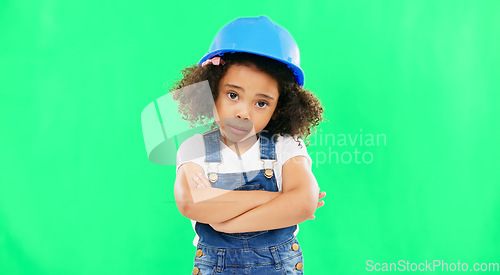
247,184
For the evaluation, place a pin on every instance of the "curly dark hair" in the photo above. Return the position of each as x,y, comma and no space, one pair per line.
298,110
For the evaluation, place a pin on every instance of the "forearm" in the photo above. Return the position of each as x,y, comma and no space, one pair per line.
217,205
212,205
287,209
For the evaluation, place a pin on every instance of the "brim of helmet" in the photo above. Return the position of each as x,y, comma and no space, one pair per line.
297,71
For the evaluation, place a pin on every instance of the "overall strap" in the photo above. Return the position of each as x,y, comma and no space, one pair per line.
268,152
212,146
267,145
212,153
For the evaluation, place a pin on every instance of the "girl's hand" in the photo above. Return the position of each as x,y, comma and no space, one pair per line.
201,182
218,226
224,226
320,203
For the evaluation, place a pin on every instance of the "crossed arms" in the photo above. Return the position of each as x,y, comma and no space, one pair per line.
246,211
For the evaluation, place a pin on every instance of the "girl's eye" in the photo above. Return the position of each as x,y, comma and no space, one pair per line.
232,95
261,104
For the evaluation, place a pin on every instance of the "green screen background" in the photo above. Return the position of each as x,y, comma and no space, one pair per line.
78,194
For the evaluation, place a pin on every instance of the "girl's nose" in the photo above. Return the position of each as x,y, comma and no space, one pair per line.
243,114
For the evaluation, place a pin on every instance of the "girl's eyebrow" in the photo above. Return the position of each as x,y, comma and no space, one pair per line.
234,87
266,96
240,88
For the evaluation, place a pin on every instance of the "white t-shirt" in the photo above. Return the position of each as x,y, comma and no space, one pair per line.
193,150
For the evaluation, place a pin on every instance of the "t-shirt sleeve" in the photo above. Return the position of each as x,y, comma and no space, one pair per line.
191,150
293,148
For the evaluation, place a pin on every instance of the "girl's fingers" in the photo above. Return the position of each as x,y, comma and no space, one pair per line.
321,203
203,178
204,181
197,183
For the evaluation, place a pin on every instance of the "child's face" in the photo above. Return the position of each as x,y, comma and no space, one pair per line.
246,102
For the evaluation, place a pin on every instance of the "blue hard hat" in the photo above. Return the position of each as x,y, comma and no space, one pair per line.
261,36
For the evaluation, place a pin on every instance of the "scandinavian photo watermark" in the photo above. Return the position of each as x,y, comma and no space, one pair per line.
433,265
346,148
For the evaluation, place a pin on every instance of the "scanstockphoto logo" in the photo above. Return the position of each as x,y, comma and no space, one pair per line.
346,148
431,266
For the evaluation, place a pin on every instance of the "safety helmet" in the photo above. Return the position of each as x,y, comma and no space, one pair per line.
261,36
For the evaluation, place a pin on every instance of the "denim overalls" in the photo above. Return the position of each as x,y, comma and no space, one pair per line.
261,252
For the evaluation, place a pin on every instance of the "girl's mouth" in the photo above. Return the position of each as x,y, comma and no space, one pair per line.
237,131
